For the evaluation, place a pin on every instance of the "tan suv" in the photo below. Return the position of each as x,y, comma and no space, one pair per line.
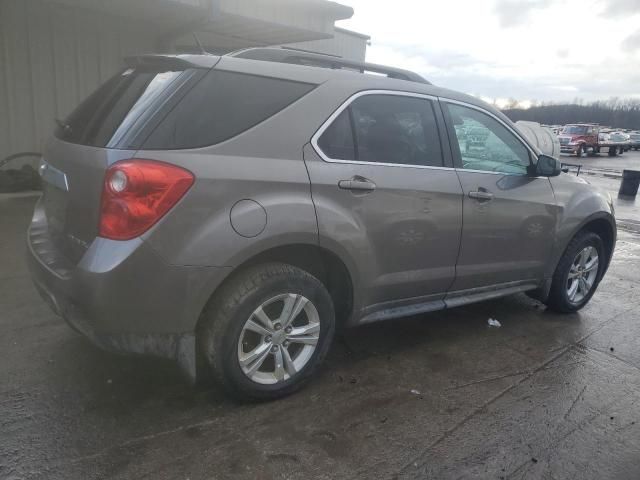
231,212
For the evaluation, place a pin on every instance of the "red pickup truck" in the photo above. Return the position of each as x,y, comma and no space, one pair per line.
584,138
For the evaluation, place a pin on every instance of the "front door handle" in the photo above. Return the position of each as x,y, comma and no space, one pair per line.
357,183
481,195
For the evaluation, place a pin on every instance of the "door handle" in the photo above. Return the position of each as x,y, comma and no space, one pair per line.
357,183
481,195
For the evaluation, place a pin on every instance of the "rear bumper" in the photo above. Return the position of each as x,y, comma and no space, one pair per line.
122,295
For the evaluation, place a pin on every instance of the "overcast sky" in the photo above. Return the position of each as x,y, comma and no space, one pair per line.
526,49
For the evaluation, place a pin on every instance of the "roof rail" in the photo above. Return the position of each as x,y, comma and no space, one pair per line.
301,57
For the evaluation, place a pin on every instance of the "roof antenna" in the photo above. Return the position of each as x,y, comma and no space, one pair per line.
197,40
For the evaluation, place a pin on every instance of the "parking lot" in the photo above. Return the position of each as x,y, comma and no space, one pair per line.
441,395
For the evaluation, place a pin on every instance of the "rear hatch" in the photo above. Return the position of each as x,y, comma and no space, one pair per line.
107,127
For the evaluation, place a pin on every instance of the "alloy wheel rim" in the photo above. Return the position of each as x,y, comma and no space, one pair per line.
582,274
278,339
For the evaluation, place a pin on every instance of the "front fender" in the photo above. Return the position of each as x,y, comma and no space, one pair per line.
579,205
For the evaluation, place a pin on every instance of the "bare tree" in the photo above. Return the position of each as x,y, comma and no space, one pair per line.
615,112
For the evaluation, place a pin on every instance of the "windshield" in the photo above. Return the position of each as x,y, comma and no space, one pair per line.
574,130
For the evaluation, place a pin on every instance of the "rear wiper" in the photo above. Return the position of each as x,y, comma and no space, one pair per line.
66,128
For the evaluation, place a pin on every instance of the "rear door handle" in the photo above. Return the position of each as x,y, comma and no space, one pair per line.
357,183
480,195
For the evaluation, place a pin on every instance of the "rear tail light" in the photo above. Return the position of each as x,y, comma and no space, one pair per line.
137,193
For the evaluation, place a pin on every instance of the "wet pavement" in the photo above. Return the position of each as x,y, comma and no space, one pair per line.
602,162
436,396
606,172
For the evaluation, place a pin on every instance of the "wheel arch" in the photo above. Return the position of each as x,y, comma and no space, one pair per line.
601,223
604,226
322,263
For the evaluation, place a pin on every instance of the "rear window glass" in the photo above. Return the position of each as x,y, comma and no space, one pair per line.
396,129
110,115
222,105
390,129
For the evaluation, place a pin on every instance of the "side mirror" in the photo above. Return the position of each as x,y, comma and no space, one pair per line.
547,166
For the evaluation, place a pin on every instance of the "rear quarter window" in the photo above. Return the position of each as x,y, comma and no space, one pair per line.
220,106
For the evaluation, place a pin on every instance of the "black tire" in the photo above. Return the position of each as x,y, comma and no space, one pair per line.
225,316
580,151
558,300
612,151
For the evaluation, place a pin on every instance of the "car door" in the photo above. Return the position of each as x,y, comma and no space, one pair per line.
387,196
509,215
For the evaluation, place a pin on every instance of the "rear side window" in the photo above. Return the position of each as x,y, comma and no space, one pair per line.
392,129
222,105
118,109
337,140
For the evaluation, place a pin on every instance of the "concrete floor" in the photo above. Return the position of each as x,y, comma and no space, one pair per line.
437,396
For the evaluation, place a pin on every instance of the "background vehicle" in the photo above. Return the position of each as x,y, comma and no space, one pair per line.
622,139
586,138
634,140
236,210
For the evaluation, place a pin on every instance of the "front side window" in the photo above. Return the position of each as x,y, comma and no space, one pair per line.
390,129
487,145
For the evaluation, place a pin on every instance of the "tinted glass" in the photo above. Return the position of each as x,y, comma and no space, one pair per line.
396,129
337,141
222,105
485,144
111,112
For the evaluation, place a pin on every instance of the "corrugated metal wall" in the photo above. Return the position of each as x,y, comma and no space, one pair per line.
51,57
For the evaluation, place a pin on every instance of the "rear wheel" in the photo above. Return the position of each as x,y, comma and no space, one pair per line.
266,332
578,273
612,151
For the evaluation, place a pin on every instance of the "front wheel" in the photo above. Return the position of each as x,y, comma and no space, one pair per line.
578,273
579,152
267,330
